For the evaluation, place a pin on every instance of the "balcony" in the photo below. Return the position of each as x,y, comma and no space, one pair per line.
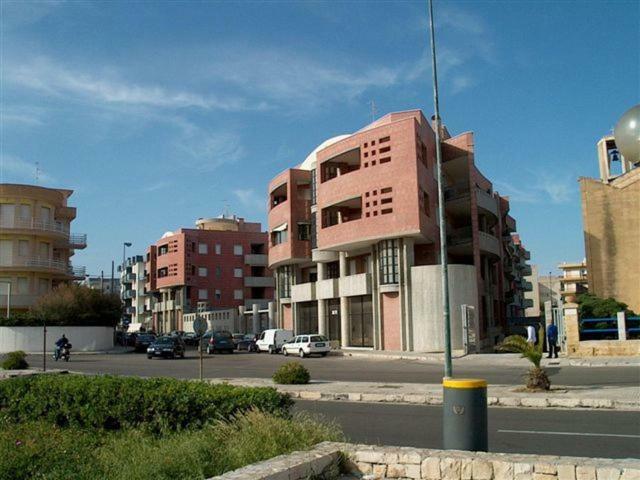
129,294
460,241
355,285
32,224
511,223
527,303
527,286
457,199
130,310
489,244
527,255
259,282
303,292
328,288
261,302
526,270
256,259
128,277
18,301
78,240
44,264
487,202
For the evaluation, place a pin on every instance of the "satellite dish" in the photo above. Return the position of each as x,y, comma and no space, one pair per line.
627,135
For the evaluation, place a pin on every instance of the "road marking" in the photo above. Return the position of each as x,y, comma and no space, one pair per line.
580,434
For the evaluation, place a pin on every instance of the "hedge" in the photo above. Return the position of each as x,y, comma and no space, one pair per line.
15,361
156,405
292,373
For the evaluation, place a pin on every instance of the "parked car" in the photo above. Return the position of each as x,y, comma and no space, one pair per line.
190,338
171,347
272,340
304,345
176,333
142,341
244,341
220,342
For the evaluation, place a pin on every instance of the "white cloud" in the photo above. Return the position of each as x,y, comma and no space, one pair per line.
15,169
250,199
539,189
156,186
21,116
461,20
18,13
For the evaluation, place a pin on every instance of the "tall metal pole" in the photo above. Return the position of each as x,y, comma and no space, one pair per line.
44,345
8,299
448,369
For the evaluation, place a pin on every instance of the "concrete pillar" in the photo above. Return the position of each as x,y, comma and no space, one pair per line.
344,322
322,268
343,264
322,318
256,318
272,314
622,326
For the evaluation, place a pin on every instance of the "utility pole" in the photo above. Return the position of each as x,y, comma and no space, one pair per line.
448,368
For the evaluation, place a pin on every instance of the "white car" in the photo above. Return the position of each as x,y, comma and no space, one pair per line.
272,340
304,345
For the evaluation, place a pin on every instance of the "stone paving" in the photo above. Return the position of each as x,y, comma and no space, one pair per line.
618,398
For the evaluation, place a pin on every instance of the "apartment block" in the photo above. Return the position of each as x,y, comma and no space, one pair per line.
546,288
354,241
101,283
220,264
574,280
611,222
137,301
36,243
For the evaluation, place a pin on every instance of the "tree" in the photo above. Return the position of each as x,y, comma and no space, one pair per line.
71,304
591,306
536,378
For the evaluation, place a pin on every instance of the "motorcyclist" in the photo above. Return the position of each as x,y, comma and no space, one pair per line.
60,344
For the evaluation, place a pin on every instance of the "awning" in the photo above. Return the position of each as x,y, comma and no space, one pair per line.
280,228
134,327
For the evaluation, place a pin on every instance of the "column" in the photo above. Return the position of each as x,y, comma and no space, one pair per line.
322,314
622,326
272,314
256,318
242,321
344,322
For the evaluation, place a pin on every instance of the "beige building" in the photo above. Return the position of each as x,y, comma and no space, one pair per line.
611,218
36,243
545,288
574,280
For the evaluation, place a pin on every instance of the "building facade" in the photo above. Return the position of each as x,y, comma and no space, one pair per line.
611,222
36,243
574,280
101,283
136,300
546,288
354,241
220,264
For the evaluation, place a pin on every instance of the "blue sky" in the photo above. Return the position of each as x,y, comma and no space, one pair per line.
157,113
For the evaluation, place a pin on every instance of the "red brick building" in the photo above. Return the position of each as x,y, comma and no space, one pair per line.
220,264
354,240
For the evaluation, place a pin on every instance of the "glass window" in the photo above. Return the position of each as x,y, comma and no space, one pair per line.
43,285
44,250
284,281
218,272
237,249
25,211
23,248
313,186
203,271
23,285
278,237
388,251
218,249
237,272
304,231
319,338
218,294
238,295
45,214
203,294
202,249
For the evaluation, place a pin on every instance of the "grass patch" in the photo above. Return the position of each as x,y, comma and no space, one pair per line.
37,450
15,361
292,373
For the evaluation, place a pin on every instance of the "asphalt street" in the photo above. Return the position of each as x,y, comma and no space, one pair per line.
543,432
242,364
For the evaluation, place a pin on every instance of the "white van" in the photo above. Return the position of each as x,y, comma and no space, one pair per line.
272,340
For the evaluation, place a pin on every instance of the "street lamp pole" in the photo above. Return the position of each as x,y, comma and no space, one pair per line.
122,272
448,368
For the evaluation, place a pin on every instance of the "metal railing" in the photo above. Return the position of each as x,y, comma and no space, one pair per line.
76,240
45,263
607,328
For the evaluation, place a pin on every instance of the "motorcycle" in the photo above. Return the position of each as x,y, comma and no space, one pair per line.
63,353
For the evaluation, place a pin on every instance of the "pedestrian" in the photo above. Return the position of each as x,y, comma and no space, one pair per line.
531,335
552,340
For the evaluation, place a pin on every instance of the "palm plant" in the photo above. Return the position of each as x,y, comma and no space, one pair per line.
536,378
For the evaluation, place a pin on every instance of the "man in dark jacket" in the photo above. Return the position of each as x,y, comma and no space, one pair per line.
60,343
552,340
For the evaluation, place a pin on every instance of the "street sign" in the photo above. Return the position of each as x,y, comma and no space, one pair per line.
200,326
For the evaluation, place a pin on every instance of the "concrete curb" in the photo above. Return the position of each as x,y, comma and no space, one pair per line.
511,402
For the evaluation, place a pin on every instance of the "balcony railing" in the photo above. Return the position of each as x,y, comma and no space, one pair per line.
44,263
129,294
256,259
78,240
128,277
460,236
75,240
18,301
259,282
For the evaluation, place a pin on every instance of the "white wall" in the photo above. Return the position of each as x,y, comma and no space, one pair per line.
29,339
428,328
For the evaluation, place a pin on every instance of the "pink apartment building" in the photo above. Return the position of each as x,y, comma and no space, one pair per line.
354,240
220,264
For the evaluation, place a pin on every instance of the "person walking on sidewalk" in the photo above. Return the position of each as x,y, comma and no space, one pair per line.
552,340
531,334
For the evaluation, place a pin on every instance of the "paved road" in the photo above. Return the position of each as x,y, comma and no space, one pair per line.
542,432
334,368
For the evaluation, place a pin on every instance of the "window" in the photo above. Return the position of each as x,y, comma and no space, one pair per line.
284,281
237,294
163,272
203,294
163,250
25,212
237,272
332,270
44,250
23,285
45,215
203,271
313,187
388,251
218,272
426,205
278,237
304,231
202,249
43,285
237,249
218,249
313,233
23,248
384,140
218,294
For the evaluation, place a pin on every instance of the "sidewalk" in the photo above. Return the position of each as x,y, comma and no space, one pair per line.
488,359
613,398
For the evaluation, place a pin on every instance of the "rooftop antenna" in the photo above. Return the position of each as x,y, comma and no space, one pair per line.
374,112
226,213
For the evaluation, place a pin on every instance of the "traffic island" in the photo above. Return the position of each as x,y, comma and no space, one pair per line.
329,460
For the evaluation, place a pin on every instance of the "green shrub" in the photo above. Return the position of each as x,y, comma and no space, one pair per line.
15,361
157,405
36,450
292,373
591,306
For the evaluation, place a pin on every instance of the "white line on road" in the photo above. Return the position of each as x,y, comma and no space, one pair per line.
580,434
